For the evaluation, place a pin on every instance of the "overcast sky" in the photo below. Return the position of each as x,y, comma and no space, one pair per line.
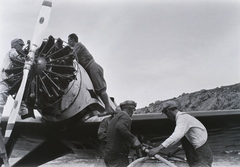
150,49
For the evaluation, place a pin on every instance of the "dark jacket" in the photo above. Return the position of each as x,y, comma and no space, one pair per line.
102,135
119,137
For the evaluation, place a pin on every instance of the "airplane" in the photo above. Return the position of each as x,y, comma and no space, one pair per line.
61,91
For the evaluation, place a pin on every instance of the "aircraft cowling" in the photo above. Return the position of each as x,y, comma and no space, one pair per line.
58,87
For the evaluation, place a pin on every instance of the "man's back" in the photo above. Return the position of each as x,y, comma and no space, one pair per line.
84,57
119,137
102,135
196,133
6,63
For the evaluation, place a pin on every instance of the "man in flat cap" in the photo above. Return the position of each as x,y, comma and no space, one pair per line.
119,137
191,132
16,45
13,55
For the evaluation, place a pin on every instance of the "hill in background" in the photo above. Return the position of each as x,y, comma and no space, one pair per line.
223,98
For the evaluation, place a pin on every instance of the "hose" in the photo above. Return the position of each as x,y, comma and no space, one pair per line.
157,156
137,161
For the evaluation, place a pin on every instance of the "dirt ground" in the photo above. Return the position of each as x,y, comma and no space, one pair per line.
227,159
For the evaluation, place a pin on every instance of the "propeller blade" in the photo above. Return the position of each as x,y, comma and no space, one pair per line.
40,27
42,23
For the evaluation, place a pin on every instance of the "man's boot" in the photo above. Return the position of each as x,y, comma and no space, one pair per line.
109,111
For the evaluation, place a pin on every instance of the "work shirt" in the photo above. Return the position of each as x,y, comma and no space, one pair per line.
94,70
84,56
191,128
119,137
7,62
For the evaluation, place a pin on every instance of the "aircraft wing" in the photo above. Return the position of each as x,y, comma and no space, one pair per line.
46,142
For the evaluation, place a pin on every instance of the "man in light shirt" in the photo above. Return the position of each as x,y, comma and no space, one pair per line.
8,63
11,57
192,134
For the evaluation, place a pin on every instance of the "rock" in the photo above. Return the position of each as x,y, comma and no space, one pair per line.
220,98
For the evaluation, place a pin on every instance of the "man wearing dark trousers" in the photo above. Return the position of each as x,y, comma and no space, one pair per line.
119,136
191,132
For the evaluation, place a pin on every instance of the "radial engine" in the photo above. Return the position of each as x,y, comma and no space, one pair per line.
58,87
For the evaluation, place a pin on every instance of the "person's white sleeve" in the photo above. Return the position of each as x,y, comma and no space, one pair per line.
179,131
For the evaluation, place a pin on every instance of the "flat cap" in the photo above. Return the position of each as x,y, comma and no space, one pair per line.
169,105
128,103
17,41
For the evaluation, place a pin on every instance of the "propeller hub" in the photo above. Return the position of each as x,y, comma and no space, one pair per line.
40,65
